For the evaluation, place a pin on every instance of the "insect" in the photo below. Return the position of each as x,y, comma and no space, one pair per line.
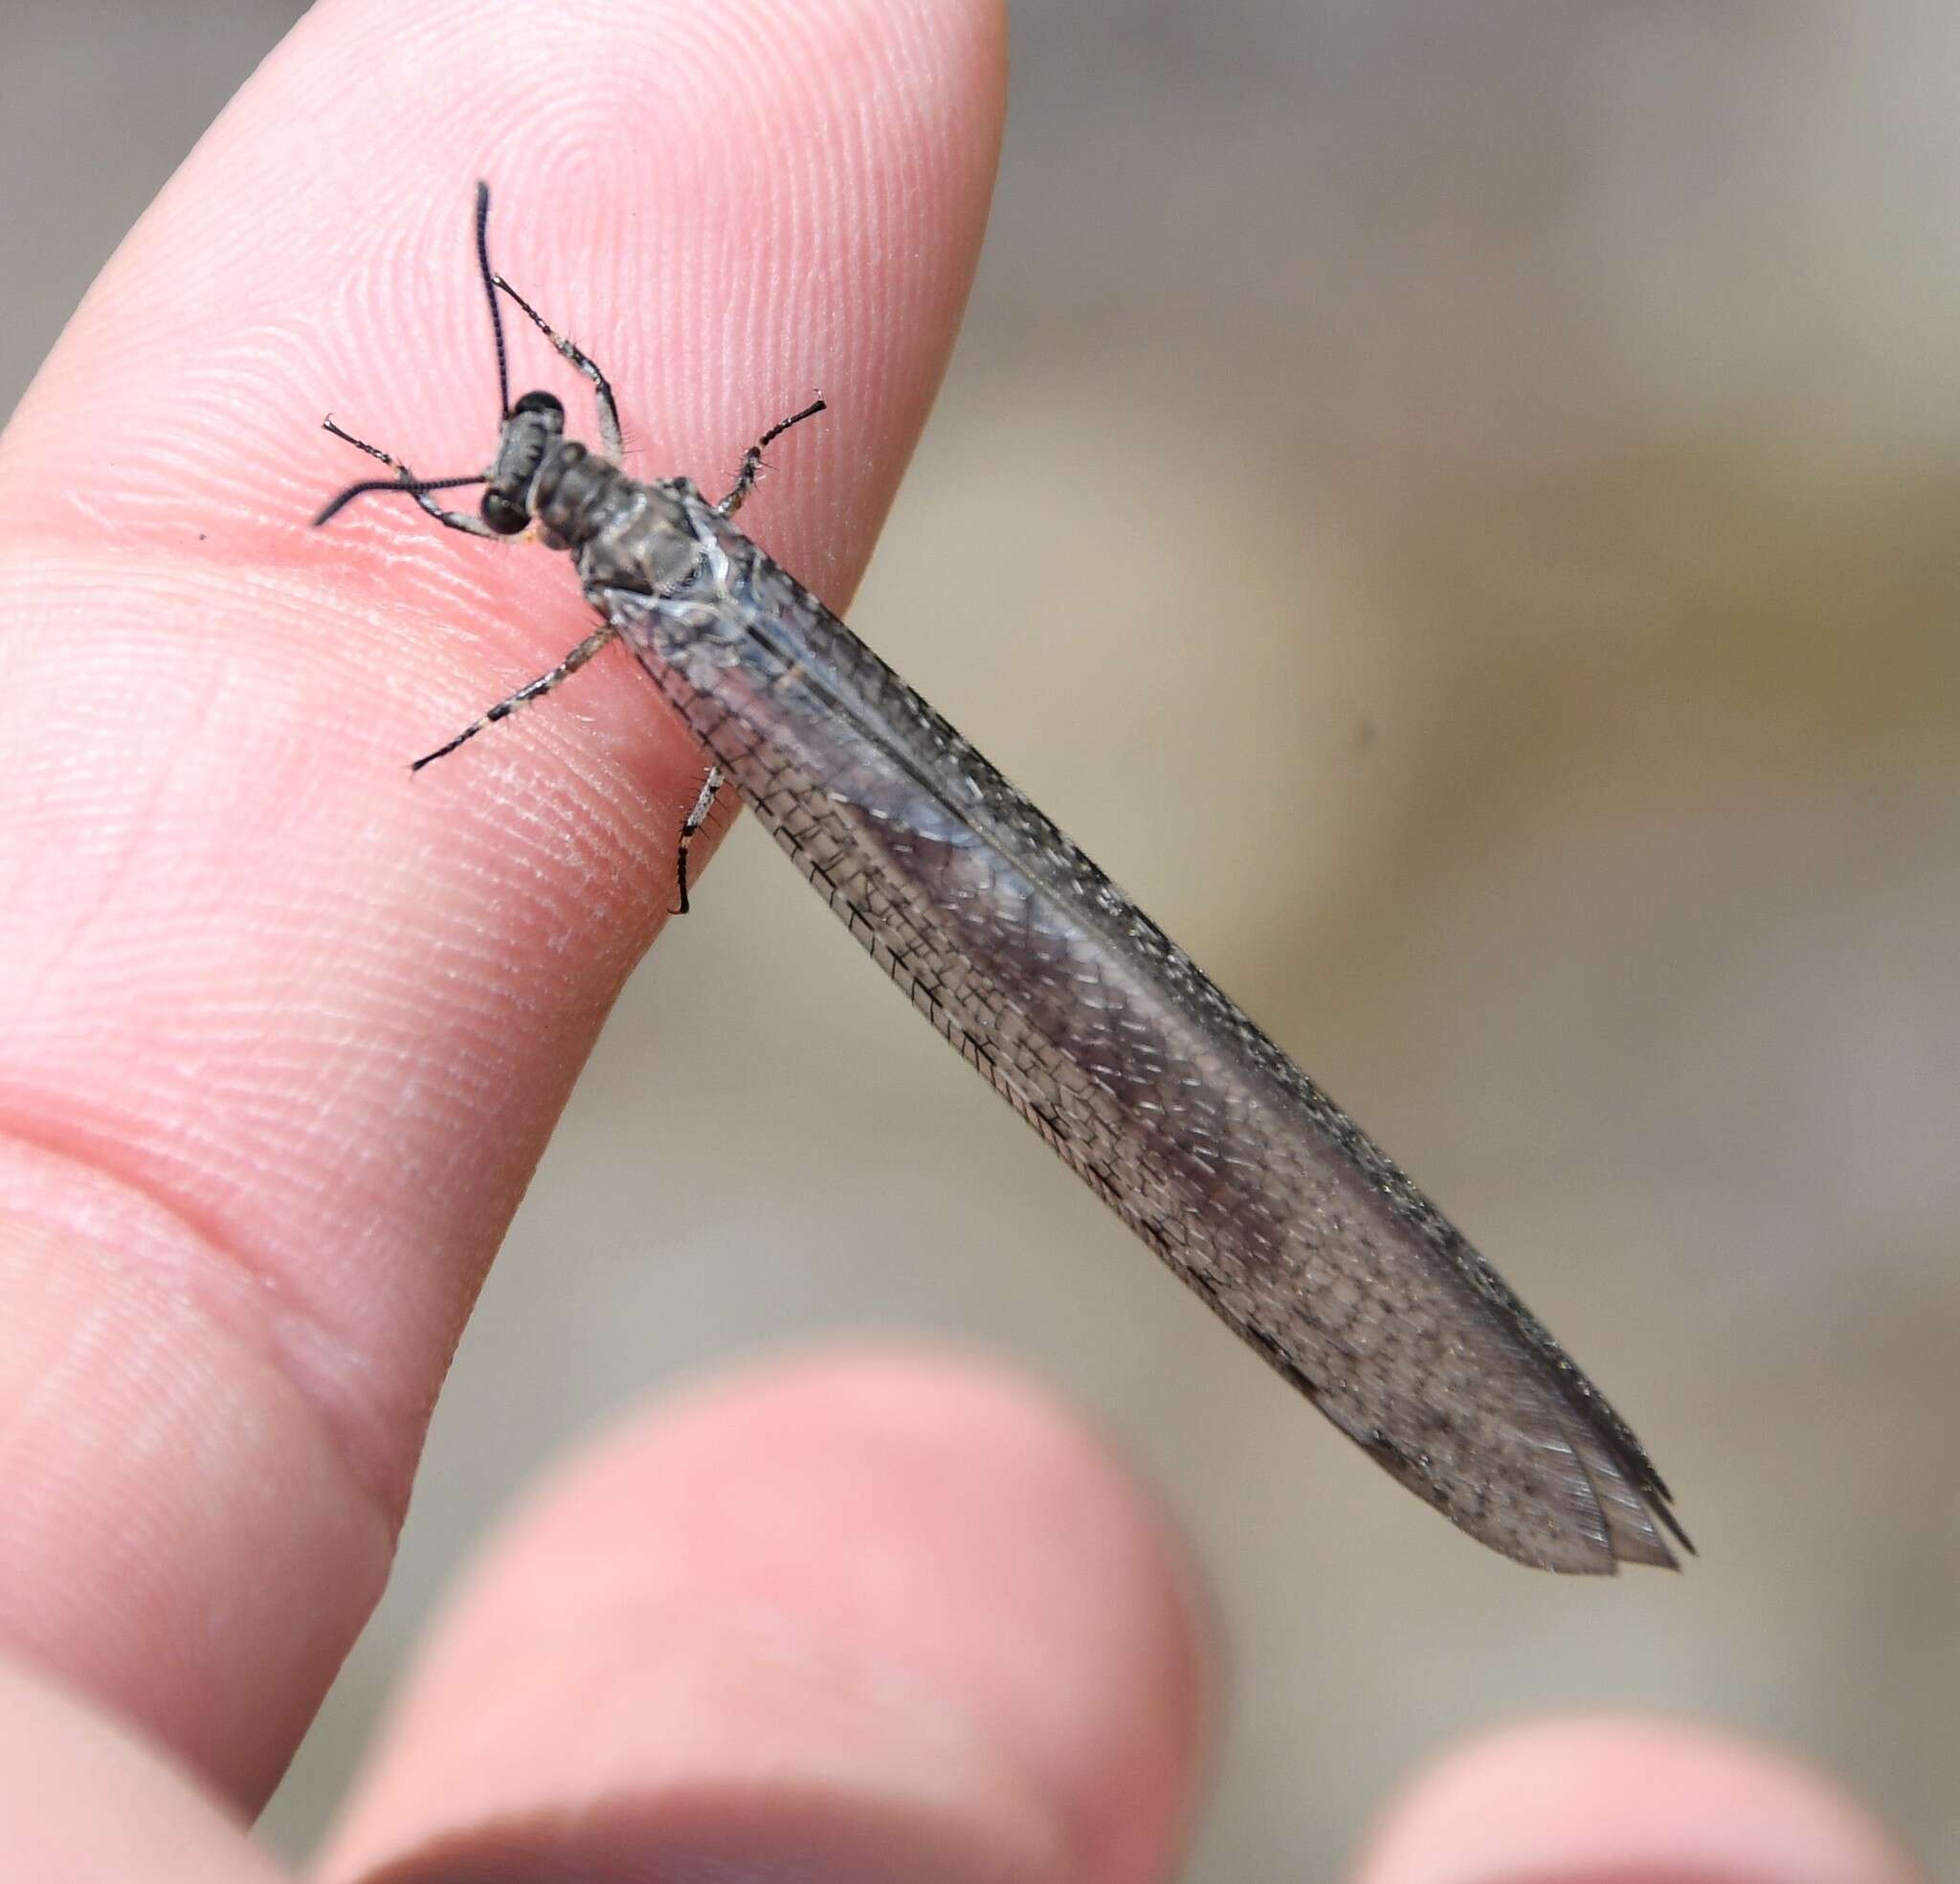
1162,1095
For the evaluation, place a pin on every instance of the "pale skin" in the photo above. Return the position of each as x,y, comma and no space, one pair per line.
281,1037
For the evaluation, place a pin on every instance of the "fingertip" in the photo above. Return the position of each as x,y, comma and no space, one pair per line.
1622,1799
906,1605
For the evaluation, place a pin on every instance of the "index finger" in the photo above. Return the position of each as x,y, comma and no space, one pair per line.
282,1031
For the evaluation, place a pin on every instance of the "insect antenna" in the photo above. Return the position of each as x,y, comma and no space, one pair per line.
490,294
413,486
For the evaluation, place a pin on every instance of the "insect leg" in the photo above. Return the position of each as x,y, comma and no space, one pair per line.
751,459
710,790
529,691
454,520
602,386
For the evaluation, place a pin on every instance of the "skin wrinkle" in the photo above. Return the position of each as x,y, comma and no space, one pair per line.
139,1422
239,1312
627,855
314,1359
327,1361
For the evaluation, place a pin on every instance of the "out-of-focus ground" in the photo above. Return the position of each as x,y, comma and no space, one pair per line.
1457,509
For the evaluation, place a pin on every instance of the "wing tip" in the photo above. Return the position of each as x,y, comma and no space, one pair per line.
1634,1506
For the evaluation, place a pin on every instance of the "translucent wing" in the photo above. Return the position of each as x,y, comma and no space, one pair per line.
1161,1094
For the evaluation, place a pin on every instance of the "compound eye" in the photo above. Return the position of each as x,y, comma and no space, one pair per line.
538,402
506,517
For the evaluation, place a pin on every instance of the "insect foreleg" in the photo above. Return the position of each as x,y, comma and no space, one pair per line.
602,388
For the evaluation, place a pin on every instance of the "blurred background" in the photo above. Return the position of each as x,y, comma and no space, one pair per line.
1564,764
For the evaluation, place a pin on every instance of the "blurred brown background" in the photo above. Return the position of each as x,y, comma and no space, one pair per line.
1541,716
